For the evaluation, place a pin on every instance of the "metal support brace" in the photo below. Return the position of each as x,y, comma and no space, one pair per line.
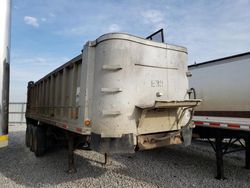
71,161
219,156
247,144
106,159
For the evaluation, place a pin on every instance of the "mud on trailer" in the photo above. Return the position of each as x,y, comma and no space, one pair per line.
123,93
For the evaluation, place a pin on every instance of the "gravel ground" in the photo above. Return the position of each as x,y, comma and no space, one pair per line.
174,166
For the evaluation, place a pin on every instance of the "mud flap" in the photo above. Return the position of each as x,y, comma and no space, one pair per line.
108,145
186,133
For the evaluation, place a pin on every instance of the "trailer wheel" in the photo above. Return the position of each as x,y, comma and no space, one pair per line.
32,129
27,136
39,141
30,136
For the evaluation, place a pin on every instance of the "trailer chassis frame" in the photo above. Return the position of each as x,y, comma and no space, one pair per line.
221,148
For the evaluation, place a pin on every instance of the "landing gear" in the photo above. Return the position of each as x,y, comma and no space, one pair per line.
106,159
247,144
221,148
39,136
71,160
219,157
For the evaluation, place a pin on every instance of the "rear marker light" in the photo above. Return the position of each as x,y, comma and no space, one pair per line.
87,122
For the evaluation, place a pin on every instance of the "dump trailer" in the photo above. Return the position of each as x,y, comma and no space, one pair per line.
123,93
224,115
4,69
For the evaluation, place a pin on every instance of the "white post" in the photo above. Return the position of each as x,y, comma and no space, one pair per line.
4,69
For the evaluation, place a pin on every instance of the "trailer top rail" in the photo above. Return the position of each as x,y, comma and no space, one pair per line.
218,60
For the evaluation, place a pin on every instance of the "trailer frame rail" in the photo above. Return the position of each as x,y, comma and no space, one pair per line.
222,148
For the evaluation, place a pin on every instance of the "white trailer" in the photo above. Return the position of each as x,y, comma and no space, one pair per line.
4,69
123,93
224,86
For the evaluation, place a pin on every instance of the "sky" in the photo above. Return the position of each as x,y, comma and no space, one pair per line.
47,33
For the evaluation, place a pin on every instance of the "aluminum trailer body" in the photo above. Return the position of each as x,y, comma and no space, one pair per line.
4,69
224,86
124,92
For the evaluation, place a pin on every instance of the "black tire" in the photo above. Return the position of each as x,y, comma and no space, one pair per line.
27,136
32,132
39,140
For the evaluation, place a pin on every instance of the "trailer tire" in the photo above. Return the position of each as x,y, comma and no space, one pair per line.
39,141
32,129
30,136
27,136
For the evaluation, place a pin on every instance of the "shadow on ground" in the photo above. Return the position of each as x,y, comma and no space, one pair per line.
22,167
193,166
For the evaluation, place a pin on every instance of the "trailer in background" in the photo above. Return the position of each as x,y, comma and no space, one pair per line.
123,93
4,69
224,86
